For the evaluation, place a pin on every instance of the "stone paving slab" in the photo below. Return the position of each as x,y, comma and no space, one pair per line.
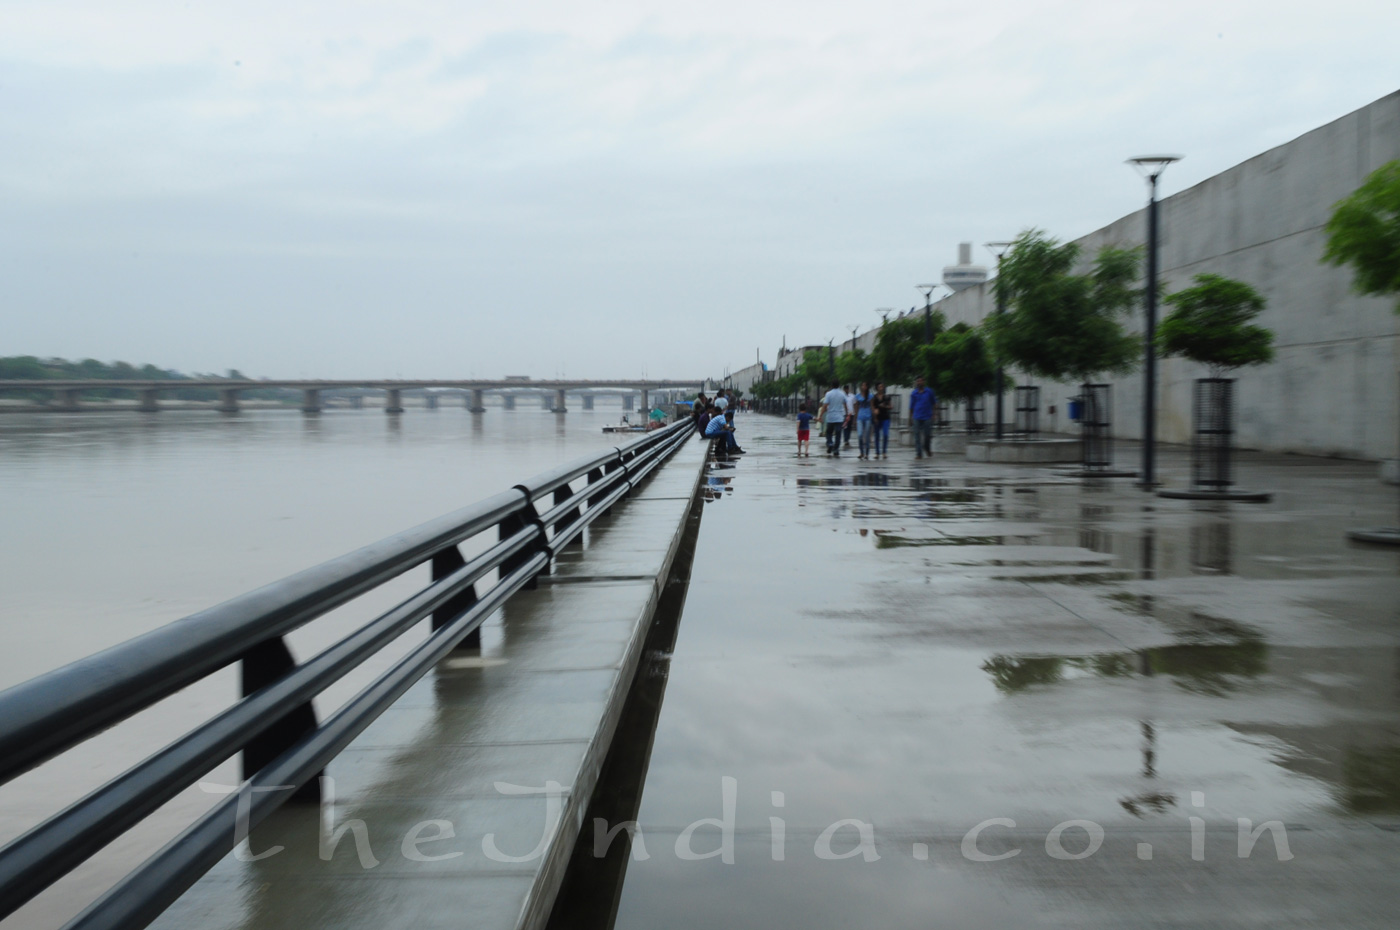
419,796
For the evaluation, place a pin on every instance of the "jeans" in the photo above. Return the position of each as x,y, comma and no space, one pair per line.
866,428
850,422
882,437
923,438
833,438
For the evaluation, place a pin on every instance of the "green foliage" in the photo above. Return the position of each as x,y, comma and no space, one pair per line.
1058,324
896,356
959,365
30,368
856,366
1364,232
1210,324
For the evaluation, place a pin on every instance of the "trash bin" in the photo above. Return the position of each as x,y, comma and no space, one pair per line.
1076,407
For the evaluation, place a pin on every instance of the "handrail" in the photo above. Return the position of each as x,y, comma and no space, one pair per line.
50,714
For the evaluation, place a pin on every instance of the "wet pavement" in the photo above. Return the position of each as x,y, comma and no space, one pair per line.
875,658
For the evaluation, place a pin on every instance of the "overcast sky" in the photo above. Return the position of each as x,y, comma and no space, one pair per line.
450,189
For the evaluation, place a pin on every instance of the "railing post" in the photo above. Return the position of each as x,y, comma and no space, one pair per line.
445,562
262,665
513,524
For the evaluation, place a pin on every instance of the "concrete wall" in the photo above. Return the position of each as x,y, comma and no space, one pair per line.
1333,386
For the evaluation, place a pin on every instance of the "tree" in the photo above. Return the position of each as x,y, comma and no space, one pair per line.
855,366
815,369
1060,325
960,365
897,346
1364,232
1210,324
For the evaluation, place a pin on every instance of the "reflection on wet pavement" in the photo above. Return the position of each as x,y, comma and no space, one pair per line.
930,647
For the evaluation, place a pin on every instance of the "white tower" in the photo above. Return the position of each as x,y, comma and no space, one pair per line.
964,274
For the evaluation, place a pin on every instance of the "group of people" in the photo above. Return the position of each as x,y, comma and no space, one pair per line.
714,419
869,413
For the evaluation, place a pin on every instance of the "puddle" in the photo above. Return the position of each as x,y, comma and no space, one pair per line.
1209,669
891,541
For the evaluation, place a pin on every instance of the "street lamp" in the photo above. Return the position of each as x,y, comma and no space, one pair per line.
1151,168
928,290
998,248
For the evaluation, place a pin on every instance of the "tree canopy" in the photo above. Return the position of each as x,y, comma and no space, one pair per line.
1211,325
1364,233
896,356
959,363
1059,324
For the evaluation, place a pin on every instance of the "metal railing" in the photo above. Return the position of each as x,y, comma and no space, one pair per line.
273,725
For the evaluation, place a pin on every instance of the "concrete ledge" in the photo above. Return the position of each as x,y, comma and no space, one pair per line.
1024,452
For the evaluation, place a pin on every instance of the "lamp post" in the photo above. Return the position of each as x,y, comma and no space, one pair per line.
998,249
928,290
1151,168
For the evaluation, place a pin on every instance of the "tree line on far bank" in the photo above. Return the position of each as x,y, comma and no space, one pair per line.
33,368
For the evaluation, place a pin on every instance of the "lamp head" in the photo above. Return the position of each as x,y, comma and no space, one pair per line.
998,248
1152,166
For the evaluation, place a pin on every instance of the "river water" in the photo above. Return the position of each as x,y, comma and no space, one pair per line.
116,523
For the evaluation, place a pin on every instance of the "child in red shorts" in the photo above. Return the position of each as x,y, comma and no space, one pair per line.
804,431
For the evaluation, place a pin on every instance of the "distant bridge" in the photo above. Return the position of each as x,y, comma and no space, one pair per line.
67,394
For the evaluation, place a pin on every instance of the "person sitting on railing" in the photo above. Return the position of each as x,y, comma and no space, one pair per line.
703,419
720,425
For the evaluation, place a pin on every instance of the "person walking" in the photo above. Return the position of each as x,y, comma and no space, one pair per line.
834,417
882,410
865,419
804,431
921,404
850,415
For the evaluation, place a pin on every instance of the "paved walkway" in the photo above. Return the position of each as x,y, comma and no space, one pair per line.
928,646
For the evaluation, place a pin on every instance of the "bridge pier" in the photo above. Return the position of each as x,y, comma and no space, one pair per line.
629,401
67,399
228,400
150,400
509,401
476,403
393,402
588,402
646,401
311,400
559,405
430,400
357,402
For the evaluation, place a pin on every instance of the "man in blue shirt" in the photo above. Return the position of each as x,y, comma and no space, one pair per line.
719,426
921,404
